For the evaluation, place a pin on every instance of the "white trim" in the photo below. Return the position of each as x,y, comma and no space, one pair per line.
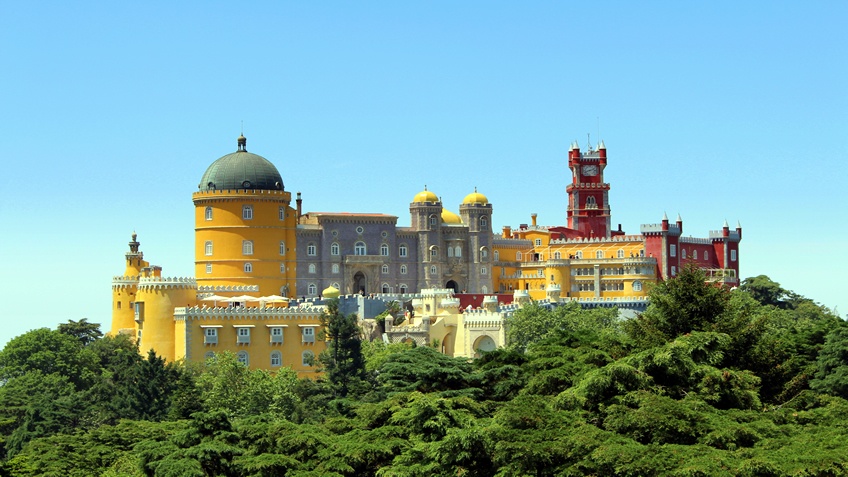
276,326
211,326
244,326
309,326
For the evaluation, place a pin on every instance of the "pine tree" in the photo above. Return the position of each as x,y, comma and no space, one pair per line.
342,360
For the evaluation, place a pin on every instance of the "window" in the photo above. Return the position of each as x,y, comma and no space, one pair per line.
359,248
307,358
276,334
672,250
385,287
484,271
432,220
484,253
276,359
706,255
248,267
673,271
434,252
385,268
733,255
384,250
334,248
484,221
694,254
307,334
208,247
599,254
311,268
457,251
243,358
335,268
538,242
433,270
209,355
683,253
210,336
282,248
450,251
540,273
403,251
243,335
360,230
247,212
336,285
208,268
247,247
518,256
403,269
282,213
497,255
590,202
620,253
402,288
312,289
209,213
484,289
282,267
557,255
578,255
311,250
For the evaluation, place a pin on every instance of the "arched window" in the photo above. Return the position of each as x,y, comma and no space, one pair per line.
457,251
384,250
248,267
695,254
683,253
247,247
208,247
209,213
433,220
311,250
434,252
403,269
312,290
385,268
433,270
208,270
484,221
450,251
637,285
311,268
484,289
484,253
578,255
706,255
307,358
335,268
282,267
385,287
484,271
557,255
243,358
620,253
359,248
282,248
276,358
497,255
334,248
518,256
282,213
247,212
402,288
336,285
590,202
403,251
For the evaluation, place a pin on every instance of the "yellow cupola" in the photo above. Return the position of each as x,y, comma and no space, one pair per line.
450,218
475,198
425,196
330,292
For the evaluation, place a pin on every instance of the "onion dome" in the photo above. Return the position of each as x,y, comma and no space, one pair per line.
241,170
475,198
330,292
425,196
449,217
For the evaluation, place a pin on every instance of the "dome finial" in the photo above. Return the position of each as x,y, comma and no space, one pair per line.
242,143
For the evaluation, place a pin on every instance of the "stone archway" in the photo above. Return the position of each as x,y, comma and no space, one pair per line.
360,284
483,344
452,285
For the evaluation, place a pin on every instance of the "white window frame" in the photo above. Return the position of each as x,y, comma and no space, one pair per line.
497,256
243,358
384,250
311,250
276,359
335,249
457,251
307,334
210,334
733,255
484,221
282,213
248,267
247,212
434,270
694,255
403,269
518,256
403,251
484,271
311,268
208,268
706,255
579,255
282,248
312,289
672,250
277,334
637,285
673,271
599,254
242,334
620,253
557,255
208,213
537,242
247,247
360,248
208,248
384,268
335,268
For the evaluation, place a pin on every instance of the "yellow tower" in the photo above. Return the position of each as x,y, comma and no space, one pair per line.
124,289
244,227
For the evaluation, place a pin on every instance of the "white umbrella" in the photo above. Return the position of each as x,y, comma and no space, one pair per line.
214,298
241,299
273,298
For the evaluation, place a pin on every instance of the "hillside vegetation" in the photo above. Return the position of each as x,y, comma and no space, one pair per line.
706,382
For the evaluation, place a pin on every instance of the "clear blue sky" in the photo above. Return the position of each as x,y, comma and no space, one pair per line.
112,111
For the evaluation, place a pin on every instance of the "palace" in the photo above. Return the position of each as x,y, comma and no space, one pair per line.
263,267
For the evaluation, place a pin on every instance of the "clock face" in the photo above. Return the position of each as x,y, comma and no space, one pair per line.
590,170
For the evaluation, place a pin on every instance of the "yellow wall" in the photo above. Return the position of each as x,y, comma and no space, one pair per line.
158,298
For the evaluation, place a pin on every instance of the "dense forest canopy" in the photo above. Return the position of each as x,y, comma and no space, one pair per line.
708,381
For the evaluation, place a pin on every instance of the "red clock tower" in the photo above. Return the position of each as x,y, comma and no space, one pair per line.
588,194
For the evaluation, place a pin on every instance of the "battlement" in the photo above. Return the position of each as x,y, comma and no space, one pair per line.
124,282
588,185
597,240
203,312
240,192
156,283
695,240
227,288
673,229
719,234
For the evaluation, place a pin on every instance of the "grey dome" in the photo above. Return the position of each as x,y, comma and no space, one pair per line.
241,170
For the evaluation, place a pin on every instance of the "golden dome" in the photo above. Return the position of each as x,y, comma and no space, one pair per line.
475,198
449,217
425,196
330,292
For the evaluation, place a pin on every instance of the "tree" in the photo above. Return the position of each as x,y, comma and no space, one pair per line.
342,360
48,352
769,292
82,330
832,364
533,322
